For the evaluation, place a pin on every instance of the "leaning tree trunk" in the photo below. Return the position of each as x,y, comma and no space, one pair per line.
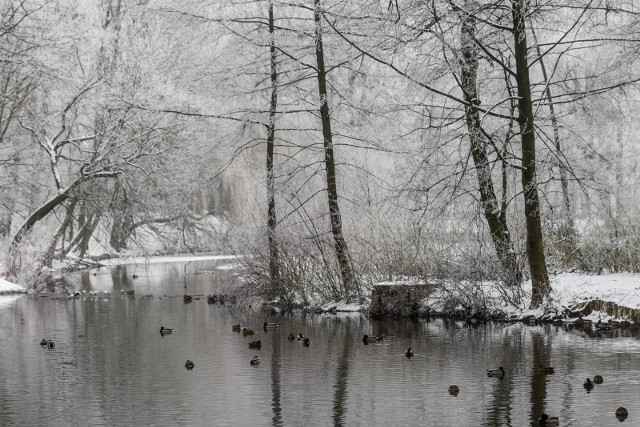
342,252
274,275
535,248
496,219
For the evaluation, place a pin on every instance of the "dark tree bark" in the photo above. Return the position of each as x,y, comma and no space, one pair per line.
493,211
342,252
569,224
271,197
47,207
535,248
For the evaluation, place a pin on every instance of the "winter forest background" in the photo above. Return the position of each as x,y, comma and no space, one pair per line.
338,143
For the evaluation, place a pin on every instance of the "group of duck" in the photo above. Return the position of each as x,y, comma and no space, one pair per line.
267,326
621,412
545,419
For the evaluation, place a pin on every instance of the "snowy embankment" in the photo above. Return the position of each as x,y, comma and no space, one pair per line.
570,293
573,291
7,288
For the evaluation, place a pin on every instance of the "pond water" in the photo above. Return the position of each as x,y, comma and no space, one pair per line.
111,366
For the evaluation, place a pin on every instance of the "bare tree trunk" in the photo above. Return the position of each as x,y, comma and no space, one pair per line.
535,247
494,213
569,223
342,252
271,197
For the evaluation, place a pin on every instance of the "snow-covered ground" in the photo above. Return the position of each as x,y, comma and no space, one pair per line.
10,288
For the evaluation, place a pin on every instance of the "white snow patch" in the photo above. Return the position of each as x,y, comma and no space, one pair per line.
9,288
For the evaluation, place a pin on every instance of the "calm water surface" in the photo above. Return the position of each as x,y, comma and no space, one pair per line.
111,366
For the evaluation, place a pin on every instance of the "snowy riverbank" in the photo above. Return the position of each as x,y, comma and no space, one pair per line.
7,288
570,290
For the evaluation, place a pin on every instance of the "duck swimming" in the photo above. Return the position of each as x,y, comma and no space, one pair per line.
291,337
454,390
588,384
44,342
546,370
375,338
598,379
189,364
409,353
546,420
622,413
165,331
305,342
269,326
255,344
50,344
496,372
255,361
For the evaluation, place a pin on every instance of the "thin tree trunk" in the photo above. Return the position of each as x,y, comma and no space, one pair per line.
342,252
271,197
569,223
535,247
494,213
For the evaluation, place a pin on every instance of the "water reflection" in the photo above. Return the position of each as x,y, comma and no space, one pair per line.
111,366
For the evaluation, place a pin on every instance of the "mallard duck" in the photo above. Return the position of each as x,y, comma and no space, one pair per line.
588,384
269,326
496,372
546,420
165,331
622,413
291,337
51,344
408,353
255,344
367,339
306,342
300,337
236,328
189,364
188,298
546,369
44,342
255,361
247,331
598,379
454,390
